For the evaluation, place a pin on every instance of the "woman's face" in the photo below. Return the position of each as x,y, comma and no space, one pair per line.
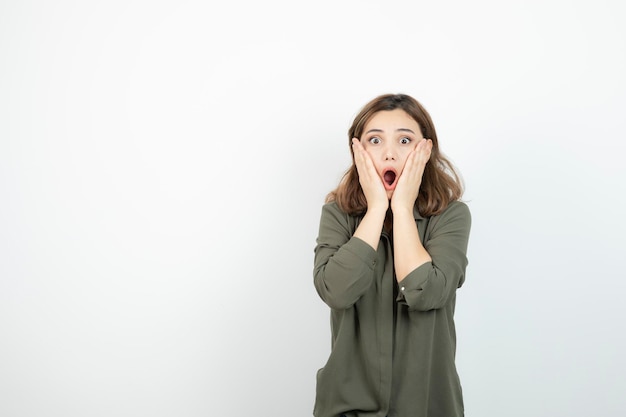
388,138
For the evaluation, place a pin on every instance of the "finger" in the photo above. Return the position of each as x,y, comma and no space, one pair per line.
365,156
423,149
417,159
364,164
414,156
429,148
357,148
356,144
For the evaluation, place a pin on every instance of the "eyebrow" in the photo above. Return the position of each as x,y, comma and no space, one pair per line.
402,129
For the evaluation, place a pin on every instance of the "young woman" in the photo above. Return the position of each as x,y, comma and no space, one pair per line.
390,254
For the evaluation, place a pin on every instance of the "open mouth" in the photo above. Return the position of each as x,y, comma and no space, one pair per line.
389,177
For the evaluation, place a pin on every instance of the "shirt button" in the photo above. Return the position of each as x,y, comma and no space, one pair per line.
402,289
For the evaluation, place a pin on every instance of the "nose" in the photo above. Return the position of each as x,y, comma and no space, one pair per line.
390,154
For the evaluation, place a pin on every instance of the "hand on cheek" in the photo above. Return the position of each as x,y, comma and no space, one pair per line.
371,183
406,191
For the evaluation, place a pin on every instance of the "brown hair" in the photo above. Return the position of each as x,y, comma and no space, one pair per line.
441,183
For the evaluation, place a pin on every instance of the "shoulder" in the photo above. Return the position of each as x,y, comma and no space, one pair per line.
457,208
457,212
333,208
333,216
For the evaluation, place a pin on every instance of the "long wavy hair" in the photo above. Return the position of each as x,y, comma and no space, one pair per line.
441,182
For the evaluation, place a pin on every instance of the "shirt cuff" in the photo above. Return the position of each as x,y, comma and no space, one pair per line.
413,281
362,250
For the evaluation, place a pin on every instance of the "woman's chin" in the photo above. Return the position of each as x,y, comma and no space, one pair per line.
389,194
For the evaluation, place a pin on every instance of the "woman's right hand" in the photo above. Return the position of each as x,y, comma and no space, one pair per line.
370,181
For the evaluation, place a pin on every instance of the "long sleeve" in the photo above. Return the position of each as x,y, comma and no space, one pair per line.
432,285
389,357
344,265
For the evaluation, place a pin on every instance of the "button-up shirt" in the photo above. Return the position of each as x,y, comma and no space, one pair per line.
393,344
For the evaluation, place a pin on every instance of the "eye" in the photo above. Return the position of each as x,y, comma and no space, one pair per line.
405,140
374,140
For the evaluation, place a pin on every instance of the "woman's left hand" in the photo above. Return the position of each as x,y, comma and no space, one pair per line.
410,180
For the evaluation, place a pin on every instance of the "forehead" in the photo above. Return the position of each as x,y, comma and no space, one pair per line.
392,120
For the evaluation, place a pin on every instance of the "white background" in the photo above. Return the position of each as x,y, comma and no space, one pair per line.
163,165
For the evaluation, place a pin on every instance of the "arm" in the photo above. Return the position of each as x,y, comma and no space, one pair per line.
432,284
409,253
344,264
345,258
375,195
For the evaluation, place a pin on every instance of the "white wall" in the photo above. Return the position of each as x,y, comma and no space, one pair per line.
163,165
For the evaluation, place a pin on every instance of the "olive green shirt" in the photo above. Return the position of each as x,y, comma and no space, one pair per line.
393,344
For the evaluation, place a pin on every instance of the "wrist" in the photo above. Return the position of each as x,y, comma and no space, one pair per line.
402,211
377,210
